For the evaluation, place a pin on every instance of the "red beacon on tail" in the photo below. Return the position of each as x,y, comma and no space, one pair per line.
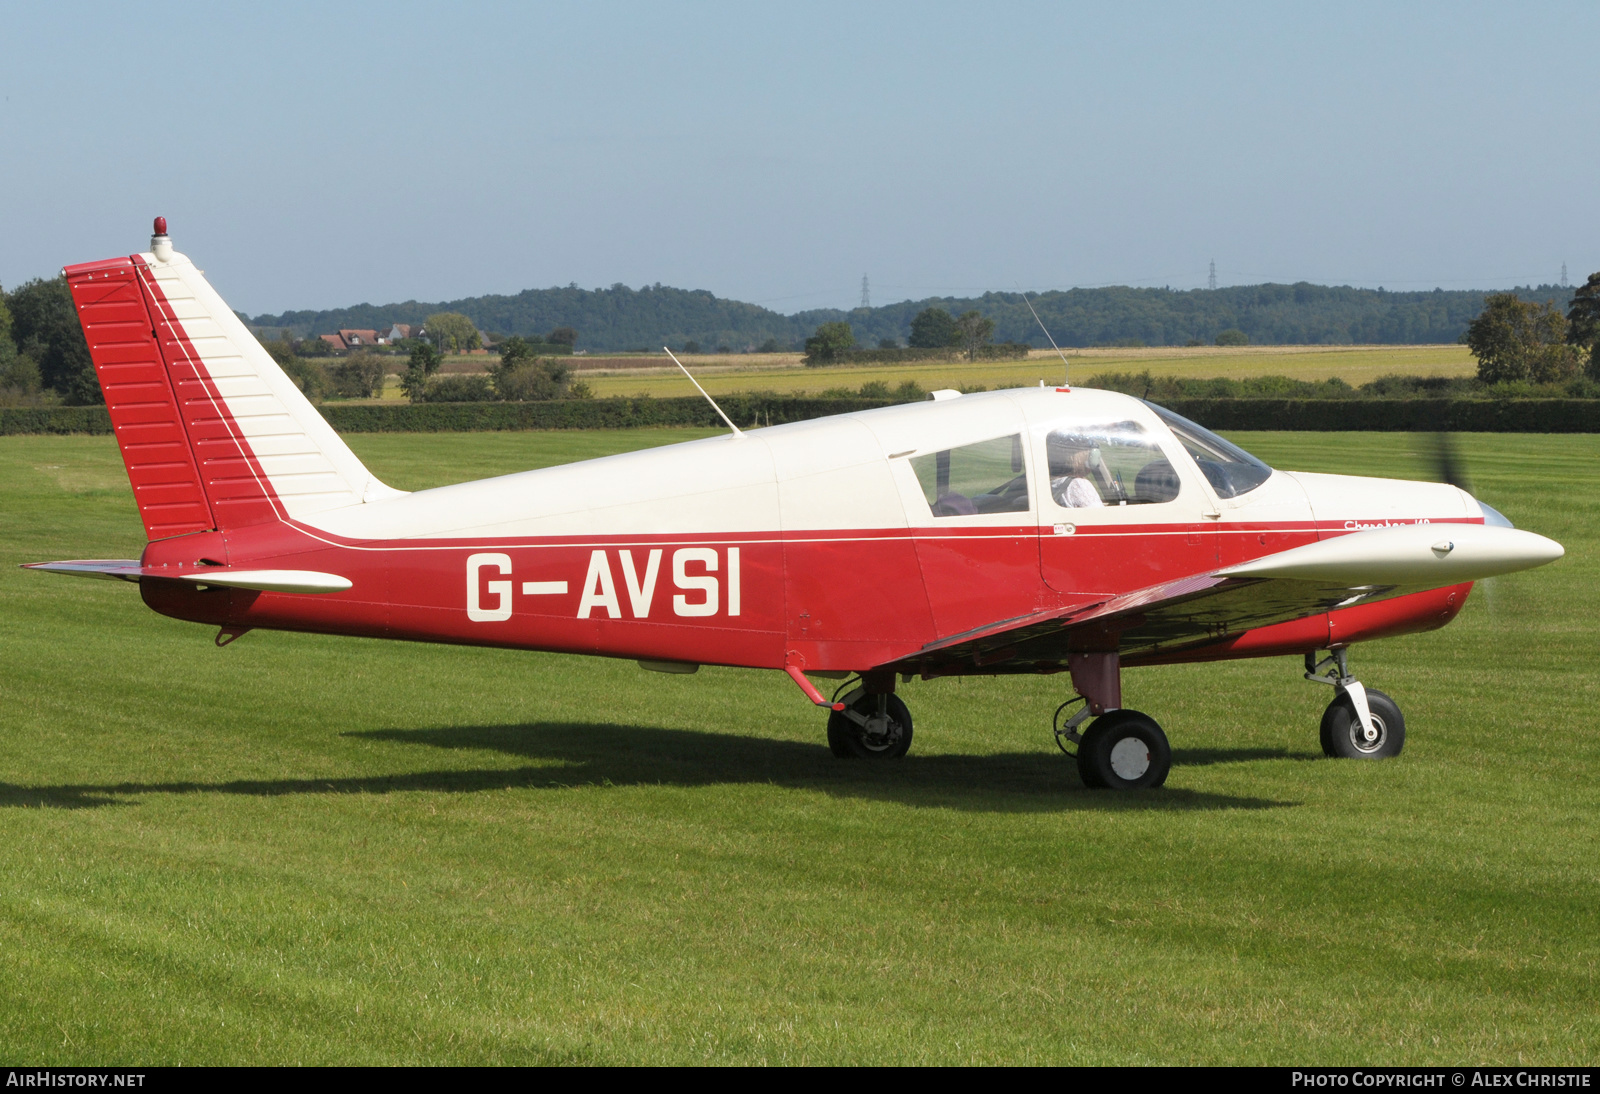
1036,530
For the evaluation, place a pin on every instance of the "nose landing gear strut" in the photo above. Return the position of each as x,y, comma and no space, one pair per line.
1361,723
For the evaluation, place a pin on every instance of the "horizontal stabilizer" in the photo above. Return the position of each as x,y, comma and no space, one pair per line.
273,581
1431,555
266,581
107,569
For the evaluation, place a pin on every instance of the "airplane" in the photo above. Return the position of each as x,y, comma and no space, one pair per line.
1035,530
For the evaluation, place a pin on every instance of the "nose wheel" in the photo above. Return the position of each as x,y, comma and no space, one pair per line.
1344,736
1361,723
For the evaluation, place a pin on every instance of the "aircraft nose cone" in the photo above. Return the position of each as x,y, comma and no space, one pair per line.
1548,549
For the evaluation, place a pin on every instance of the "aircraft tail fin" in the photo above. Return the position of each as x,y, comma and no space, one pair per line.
214,434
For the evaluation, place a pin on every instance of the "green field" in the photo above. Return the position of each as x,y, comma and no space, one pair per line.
302,849
721,374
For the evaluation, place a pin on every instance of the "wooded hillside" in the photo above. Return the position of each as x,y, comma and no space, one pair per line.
621,318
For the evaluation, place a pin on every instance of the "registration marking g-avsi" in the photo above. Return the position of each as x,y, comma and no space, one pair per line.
703,591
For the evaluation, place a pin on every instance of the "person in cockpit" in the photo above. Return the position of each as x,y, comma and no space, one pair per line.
1076,490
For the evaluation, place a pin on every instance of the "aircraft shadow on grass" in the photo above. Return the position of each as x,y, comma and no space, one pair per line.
598,754
1205,757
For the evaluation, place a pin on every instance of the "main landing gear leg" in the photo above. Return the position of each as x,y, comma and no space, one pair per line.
874,724
1361,723
1122,749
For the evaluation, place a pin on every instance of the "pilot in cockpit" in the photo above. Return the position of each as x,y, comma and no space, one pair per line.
1076,489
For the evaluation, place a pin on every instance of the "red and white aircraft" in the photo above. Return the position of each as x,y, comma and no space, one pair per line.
1025,531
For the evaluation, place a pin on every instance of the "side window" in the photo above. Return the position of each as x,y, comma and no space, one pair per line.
987,477
1115,464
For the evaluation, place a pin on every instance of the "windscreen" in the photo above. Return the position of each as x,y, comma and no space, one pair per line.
1229,469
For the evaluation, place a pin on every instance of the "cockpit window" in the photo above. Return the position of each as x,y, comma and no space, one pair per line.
987,477
1229,469
1116,464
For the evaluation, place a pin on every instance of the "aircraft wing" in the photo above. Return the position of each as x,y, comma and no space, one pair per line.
1358,568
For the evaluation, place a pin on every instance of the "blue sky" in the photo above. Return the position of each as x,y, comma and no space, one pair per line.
325,154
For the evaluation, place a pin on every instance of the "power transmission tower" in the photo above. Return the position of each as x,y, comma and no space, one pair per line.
1564,284
1211,282
866,295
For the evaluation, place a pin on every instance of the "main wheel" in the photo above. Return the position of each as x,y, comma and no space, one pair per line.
886,736
1344,736
1124,750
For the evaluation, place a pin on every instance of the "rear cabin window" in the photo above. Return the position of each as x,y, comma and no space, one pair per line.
987,477
1116,464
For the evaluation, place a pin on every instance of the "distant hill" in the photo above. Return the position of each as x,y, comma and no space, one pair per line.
620,318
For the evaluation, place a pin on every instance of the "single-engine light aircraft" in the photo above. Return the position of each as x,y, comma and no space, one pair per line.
1048,530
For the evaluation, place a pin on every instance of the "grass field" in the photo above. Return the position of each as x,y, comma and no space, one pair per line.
300,849
785,373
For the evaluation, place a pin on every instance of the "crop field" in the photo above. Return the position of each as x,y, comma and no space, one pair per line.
316,850
786,374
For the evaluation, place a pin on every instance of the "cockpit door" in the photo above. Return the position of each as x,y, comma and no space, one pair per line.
1120,505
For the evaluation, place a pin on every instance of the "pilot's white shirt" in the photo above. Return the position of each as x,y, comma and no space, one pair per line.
1079,494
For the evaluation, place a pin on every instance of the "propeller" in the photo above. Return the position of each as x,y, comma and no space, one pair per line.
1448,464
1451,467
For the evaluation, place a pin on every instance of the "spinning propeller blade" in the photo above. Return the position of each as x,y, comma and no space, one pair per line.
1449,466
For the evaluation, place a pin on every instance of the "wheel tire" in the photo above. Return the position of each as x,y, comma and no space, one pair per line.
1124,750
849,741
1341,730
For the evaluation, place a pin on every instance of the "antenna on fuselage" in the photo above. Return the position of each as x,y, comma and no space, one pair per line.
701,390
1066,381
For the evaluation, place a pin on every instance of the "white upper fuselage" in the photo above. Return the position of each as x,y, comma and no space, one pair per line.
853,471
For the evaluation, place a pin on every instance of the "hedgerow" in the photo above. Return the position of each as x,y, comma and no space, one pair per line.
1460,415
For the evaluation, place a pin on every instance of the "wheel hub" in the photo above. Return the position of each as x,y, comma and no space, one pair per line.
880,733
1368,739
1130,758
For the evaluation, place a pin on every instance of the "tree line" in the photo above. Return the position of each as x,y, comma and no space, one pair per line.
645,319
934,333
1539,336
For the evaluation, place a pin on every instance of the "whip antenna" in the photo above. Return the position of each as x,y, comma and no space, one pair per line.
1065,380
701,390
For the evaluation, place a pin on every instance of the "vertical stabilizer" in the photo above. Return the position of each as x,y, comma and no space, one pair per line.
213,433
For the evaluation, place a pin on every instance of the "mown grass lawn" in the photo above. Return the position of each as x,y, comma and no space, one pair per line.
303,849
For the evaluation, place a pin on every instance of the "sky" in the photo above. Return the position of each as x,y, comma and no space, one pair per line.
325,154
